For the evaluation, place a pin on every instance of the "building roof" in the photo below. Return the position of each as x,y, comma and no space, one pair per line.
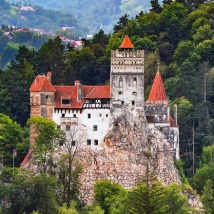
27,157
157,92
172,122
88,92
127,44
41,83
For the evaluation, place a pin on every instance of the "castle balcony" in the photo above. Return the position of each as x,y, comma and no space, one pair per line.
70,120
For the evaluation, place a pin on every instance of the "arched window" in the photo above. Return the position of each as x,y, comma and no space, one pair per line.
135,82
120,82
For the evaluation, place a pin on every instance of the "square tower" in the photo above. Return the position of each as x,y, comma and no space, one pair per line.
126,79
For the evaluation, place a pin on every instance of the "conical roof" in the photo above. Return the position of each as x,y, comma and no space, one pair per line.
126,43
157,92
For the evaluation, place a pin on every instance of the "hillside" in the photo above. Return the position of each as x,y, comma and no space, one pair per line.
95,14
36,17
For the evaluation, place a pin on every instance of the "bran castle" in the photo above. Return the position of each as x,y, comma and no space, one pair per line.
96,108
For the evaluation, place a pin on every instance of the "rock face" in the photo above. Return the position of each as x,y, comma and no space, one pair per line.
127,151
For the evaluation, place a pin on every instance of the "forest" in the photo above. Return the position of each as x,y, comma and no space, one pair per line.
179,36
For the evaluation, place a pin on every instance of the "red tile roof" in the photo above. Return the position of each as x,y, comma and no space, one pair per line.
27,157
172,122
41,83
70,92
126,43
157,92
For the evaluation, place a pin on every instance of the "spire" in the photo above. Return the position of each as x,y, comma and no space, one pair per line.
157,92
127,44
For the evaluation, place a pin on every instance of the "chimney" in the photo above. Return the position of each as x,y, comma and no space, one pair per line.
79,90
49,74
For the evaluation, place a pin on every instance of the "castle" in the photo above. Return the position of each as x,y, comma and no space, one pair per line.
95,109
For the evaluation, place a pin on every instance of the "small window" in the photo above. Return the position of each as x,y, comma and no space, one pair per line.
61,142
46,97
58,126
120,83
134,93
133,103
122,102
63,115
89,115
95,128
106,115
100,115
68,128
135,82
88,142
120,93
66,102
161,128
73,143
96,142
75,115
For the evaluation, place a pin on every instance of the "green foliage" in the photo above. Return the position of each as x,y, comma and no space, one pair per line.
46,141
108,194
11,135
207,197
146,198
68,210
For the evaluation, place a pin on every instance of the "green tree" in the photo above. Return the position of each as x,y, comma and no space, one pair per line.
50,57
71,209
175,200
155,6
146,198
46,141
11,134
121,24
107,194
207,197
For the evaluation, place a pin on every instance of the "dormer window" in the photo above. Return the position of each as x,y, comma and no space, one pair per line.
66,101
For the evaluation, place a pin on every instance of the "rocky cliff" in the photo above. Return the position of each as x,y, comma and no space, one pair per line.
127,151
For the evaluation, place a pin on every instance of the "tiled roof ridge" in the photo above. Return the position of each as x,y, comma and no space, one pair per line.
157,92
126,43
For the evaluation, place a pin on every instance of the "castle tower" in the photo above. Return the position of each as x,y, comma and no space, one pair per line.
126,79
41,100
157,111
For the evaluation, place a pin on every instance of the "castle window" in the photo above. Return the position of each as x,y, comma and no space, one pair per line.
88,142
134,93
95,128
89,115
120,93
58,126
63,115
73,143
75,115
120,82
68,128
46,97
66,101
100,115
135,82
133,103
161,128
106,115
122,102
96,142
